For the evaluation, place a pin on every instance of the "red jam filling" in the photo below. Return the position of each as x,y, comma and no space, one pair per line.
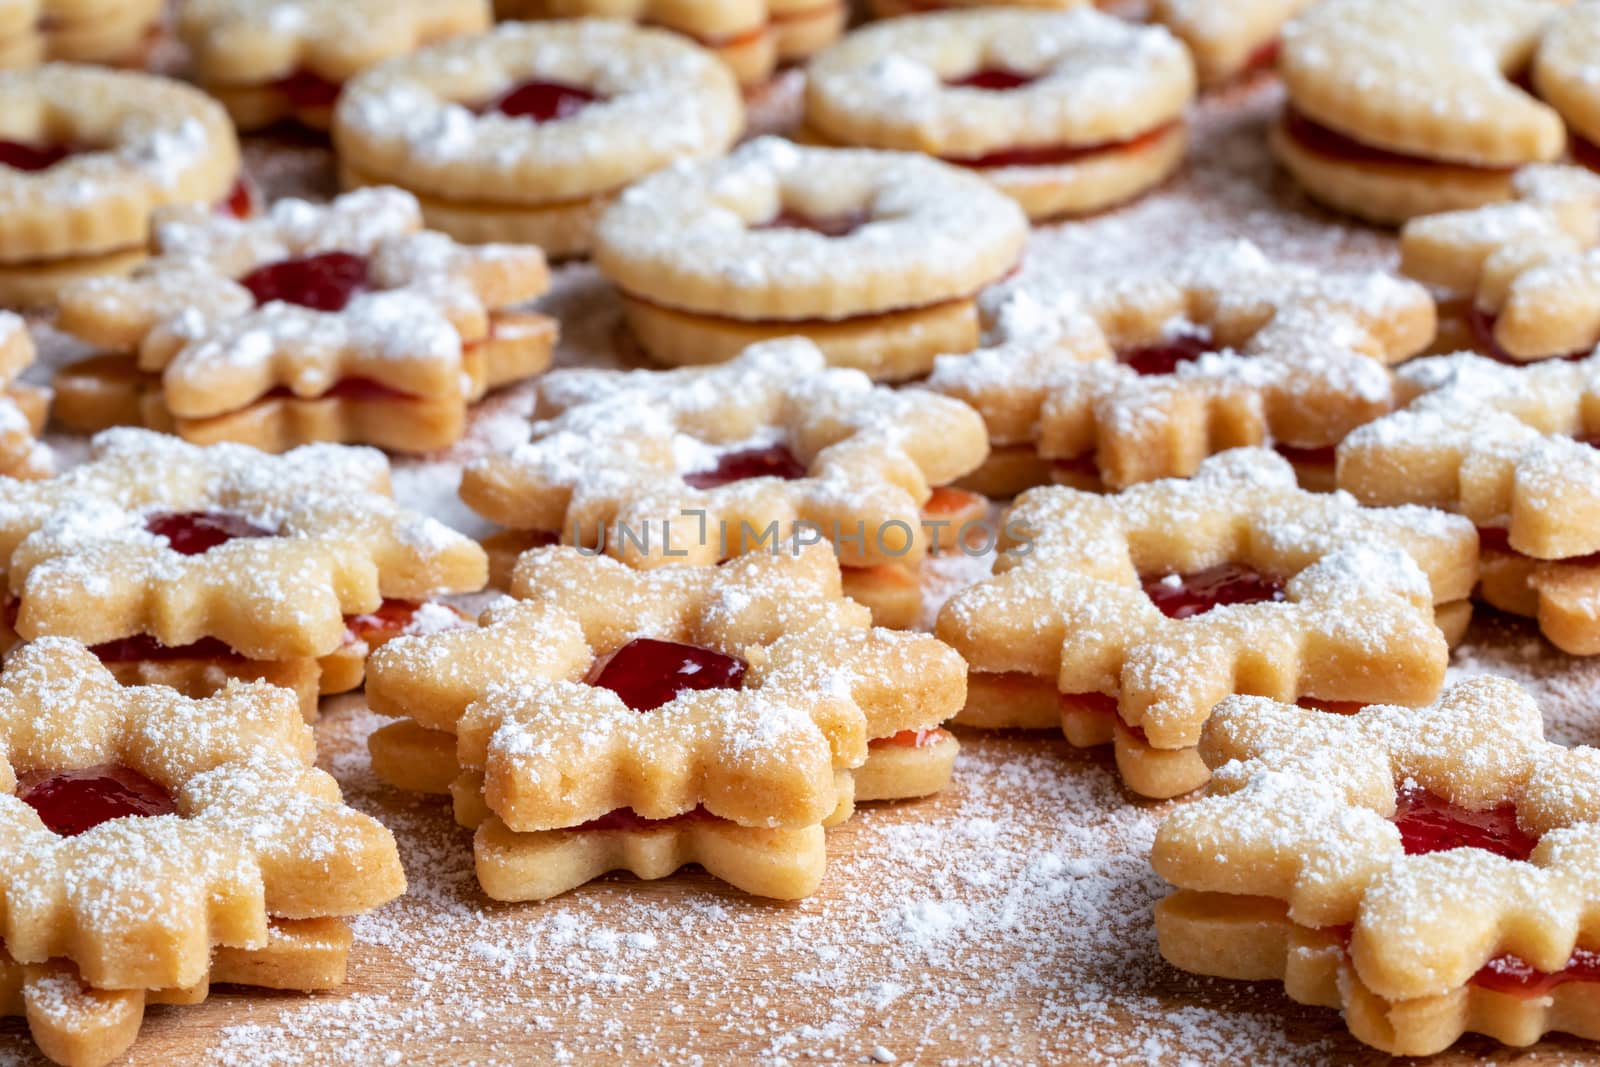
71,802
194,533
770,461
1165,356
1509,974
909,738
20,155
144,647
359,389
647,673
993,79
543,101
307,91
241,201
832,226
1584,152
1324,456
1429,823
390,620
1057,155
1320,139
1197,593
324,282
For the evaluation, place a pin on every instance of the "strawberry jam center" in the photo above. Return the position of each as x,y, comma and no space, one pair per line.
359,389
20,155
544,101
1429,823
993,79
71,802
1164,356
194,533
768,461
241,201
306,90
827,226
395,617
1183,596
324,282
647,673
1509,974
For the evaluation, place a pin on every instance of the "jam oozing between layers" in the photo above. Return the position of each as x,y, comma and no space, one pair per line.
1058,155
1510,974
1324,141
544,101
193,533
827,226
357,389
307,91
909,738
240,202
1184,596
768,461
1164,356
993,79
1430,823
21,155
327,281
647,673
72,802
1584,152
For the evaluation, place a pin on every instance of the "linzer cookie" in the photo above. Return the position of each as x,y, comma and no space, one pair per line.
1428,871
612,718
270,60
1521,279
1564,75
741,33
1398,108
1228,38
1065,112
1512,449
345,323
157,843
1126,618
1119,380
875,256
22,407
86,156
529,132
771,450
189,566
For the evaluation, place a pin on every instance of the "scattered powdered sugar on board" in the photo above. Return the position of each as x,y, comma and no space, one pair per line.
1004,922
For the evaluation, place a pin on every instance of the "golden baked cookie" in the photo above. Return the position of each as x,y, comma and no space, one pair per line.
1399,108
1563,75
1522,278
1509,447
23,408
527,133
1065,112
86,157
884,9
113,32
1228,38
188,566
270,60
1428,871
616,718
21,44
1125,618
145,830
877,257
344,322
1116,380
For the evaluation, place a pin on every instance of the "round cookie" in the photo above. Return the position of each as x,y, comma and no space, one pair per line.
875,256
1065,112
525,134
68,210
1404,107
1565,75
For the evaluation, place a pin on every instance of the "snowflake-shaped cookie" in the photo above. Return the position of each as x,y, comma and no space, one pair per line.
1425,869
267,554
1129,617
22,407
1527,271
695,464
1228,37
1143,376
562,762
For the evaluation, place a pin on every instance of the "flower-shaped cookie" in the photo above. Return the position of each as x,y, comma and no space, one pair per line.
1398,108
1430,871
1525,275
269,60
1510,448
1065,112
529,132
1563,74
1142,376
875,256
86,156
1127,618
146,828
158,551
345,322
614,717
22,407
698,464
1228,38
